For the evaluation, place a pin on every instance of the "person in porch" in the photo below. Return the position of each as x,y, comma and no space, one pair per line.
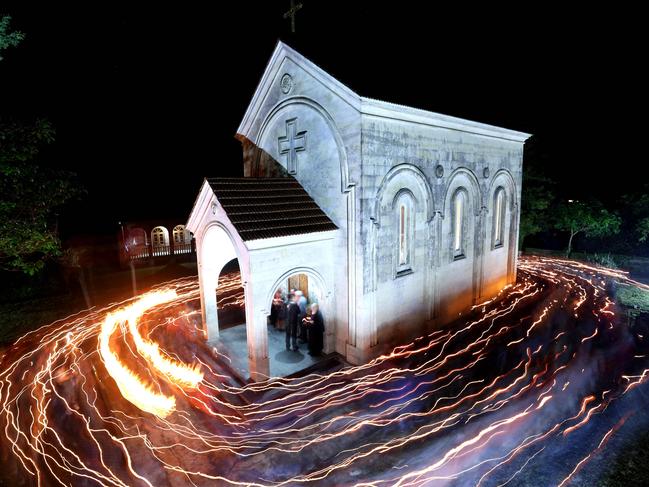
302,303
292,322
307,321
278,311
316,330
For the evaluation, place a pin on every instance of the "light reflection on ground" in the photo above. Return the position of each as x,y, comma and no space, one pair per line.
524,386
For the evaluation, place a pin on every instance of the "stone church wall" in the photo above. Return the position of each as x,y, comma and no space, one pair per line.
440,287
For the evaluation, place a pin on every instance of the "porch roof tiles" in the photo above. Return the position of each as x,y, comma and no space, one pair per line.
269,207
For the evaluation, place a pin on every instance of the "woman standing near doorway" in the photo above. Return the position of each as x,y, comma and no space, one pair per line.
316,331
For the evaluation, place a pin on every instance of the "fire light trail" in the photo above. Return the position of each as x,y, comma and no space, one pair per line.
130,386
131,395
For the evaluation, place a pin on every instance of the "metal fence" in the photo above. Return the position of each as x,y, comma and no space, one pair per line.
149,250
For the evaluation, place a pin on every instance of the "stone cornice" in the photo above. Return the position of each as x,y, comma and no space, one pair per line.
287,240
394,111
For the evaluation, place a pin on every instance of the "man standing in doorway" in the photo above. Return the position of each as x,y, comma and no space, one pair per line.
301,302
292,320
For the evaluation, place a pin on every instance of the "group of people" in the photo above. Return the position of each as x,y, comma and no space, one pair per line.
302,322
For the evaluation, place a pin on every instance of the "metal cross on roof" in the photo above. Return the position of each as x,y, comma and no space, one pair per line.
291,13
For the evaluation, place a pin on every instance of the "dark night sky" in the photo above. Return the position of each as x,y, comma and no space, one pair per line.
146,101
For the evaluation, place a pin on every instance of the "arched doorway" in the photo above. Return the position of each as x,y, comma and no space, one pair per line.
230,297
309,283
223,302
217,250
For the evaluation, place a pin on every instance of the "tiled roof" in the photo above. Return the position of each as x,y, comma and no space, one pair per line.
269,207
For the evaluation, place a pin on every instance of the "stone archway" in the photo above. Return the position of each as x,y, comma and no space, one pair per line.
503,179
217,248
410,286
280,361
280,281
461,274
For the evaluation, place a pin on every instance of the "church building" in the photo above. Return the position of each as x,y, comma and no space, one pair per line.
398,220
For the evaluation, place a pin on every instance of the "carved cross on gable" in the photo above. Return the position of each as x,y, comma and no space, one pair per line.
292,143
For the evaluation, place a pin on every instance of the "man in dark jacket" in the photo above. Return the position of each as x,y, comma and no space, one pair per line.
316,331
301,329
292,320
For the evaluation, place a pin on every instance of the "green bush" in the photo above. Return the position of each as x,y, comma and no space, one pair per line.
606,260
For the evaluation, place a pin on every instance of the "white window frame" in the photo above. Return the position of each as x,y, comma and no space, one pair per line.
499,209
459,226
404,209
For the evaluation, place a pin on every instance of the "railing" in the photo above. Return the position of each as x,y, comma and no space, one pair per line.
140,252
182,248
148,251
160,250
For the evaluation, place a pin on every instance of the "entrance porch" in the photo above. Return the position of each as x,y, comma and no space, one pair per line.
275,231
283,362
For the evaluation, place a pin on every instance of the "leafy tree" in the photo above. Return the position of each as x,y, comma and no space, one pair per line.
29,197
637,204
536,199
591,219
29,194
642,228
7,38
539,189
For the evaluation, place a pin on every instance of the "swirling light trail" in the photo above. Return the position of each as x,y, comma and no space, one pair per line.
131,394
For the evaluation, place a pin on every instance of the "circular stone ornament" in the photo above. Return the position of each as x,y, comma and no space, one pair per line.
439,171
214,208
485,172
286,84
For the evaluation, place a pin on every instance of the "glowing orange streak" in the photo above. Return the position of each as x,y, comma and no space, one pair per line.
591,336
540,318
177,372
129,384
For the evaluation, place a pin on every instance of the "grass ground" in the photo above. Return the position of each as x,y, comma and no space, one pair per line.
633,299
19,316
629,469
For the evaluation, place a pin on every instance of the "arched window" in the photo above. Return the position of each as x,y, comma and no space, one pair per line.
159,237
459,204
404,217
498,218
180,234
405,232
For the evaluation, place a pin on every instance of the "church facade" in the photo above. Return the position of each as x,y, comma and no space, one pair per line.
403,218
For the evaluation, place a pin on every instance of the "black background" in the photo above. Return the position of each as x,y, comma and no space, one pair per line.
146,99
